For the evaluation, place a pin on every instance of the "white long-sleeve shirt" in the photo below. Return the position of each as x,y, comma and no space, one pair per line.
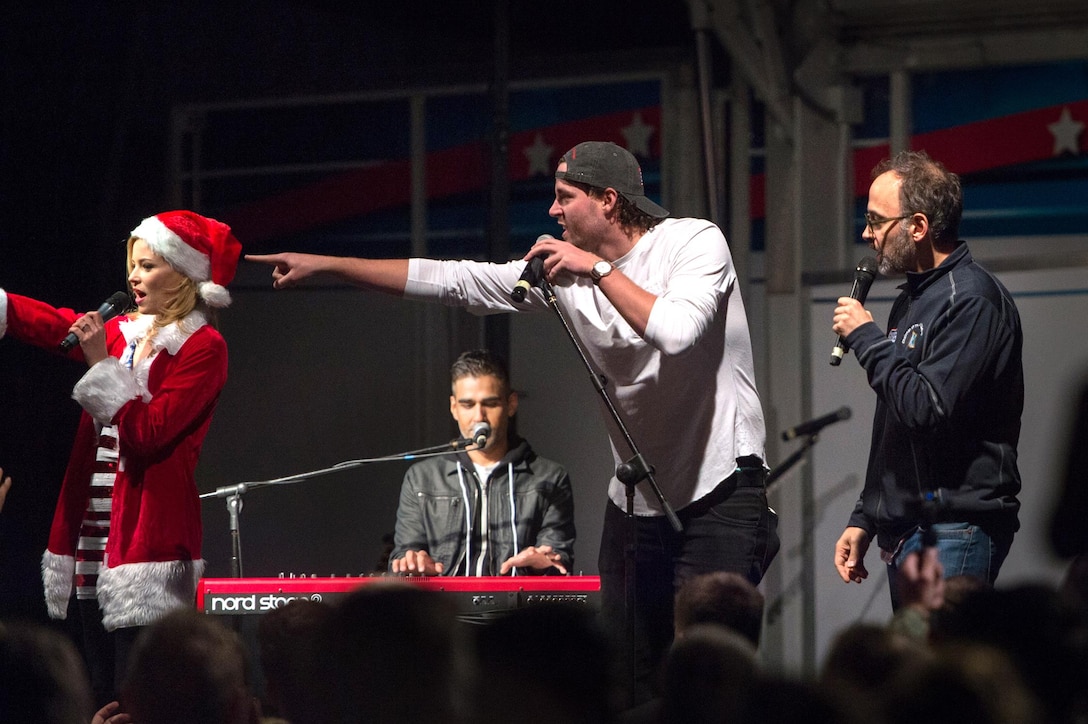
685,390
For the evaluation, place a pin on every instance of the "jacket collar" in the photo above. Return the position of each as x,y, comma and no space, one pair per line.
917,282
519,453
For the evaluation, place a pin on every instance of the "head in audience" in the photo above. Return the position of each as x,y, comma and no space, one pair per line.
780,699
391,652
42,678
287,641
960,683
1041,632
722,598
545,663
862,659
188,667
707,674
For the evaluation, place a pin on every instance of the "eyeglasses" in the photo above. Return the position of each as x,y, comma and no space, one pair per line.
875,222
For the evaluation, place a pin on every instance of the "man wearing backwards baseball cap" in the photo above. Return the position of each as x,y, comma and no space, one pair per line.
656,305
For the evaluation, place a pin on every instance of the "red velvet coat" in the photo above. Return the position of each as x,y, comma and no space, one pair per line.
161,410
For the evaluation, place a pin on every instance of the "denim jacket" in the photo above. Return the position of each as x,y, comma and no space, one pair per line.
437,492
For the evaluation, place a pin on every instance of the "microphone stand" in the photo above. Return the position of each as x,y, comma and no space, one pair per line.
630,473
810,430
636,469
793,459
233,493
774,610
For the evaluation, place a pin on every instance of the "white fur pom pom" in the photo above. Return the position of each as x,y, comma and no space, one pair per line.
215,295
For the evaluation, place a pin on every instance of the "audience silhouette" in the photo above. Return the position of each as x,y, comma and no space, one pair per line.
546,663
395,652
42,678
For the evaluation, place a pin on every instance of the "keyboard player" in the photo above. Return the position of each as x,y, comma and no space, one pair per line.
493,509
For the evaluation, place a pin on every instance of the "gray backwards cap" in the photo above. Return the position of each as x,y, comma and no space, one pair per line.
605,165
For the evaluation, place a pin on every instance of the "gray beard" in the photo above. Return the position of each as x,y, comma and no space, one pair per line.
897,254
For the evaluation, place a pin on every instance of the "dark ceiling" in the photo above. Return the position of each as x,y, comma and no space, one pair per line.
88,86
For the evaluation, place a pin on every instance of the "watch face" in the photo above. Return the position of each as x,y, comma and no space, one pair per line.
601,268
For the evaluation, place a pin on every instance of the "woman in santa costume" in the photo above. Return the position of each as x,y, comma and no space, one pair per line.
126,534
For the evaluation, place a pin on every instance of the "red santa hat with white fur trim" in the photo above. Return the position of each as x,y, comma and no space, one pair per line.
202,249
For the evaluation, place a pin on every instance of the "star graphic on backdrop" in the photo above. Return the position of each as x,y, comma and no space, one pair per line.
540,156
1065,131
638,136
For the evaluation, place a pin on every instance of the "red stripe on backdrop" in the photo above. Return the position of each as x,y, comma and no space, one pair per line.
449,172
981,146
995,143
332,199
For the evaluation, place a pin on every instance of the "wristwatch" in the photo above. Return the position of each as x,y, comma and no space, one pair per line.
600,270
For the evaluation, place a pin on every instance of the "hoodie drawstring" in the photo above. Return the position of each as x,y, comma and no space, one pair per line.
468,518
513,519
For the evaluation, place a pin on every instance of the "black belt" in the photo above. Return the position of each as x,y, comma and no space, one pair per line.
726,487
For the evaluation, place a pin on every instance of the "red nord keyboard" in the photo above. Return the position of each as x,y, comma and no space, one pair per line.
484,594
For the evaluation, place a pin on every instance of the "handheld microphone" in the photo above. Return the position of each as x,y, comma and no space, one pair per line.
813,426
863,279
531,276
480,432
117,303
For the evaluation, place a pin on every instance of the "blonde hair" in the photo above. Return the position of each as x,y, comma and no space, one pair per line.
184,298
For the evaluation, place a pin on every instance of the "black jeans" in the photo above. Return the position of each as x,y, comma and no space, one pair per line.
731,529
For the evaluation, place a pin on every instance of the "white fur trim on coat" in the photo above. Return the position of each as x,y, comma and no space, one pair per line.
105,389
3,313
187,260
137,594
58,577
171,337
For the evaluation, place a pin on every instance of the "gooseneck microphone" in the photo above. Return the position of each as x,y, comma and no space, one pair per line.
476,440
863,279
117,303
531,276
813,426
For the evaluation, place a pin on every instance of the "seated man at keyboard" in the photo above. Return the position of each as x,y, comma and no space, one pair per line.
493,509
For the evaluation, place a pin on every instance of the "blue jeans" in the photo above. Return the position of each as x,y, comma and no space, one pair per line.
962,548
730,529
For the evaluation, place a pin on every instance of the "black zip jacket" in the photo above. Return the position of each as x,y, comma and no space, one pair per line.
949,381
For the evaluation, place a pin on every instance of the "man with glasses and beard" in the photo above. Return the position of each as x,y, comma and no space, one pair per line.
949,382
